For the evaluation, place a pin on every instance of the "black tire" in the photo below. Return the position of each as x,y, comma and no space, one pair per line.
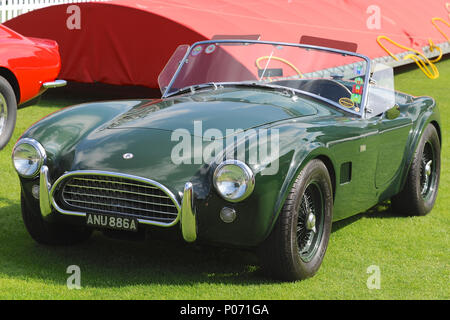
48,233
8,112
421,188
280,254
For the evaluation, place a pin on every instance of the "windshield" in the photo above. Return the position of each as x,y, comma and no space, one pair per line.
339,77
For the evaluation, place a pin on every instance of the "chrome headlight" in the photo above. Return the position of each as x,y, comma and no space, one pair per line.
28,157
234,180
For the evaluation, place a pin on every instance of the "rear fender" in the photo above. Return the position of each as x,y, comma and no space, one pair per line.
427,112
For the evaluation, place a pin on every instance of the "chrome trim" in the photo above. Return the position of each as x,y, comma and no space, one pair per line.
124,191
188,216
39,148
365,135
247,171
186,55
128,156
44,192
409,124
119,175
54,84
231,217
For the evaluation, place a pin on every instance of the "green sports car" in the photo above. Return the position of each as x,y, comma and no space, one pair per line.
254,144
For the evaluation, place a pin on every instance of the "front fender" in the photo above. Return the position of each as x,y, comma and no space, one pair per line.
60,132
301,157
257,215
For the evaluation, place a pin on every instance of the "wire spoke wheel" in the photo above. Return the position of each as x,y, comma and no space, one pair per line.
310,221
427,171
420,191
297,244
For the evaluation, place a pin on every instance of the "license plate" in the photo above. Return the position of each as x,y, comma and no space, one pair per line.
112,222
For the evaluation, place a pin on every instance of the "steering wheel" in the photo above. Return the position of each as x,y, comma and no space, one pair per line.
329,89
278,59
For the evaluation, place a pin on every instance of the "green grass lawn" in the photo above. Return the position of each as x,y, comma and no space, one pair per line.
413,253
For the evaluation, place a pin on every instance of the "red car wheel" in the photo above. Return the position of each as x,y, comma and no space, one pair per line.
8,111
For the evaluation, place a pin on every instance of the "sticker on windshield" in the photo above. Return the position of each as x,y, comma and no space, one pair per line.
346,102
359,81
358,70
210,49
357,89
356,98
197,50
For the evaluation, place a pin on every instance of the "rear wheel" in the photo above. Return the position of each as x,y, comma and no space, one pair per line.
419,194
297,244
8,111
48,233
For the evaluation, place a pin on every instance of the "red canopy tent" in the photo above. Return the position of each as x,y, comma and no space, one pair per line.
128,42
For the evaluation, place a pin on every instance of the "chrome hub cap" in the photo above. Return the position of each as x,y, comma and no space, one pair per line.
3,113
427,171
311,222
428,168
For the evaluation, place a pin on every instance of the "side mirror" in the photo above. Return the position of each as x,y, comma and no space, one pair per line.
392,113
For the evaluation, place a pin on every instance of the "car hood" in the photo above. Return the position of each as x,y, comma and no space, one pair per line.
146,129
152,156
220,109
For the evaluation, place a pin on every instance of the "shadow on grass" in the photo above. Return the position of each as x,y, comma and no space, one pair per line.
106,262
380,211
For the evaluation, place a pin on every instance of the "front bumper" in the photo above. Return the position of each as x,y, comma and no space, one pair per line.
188,218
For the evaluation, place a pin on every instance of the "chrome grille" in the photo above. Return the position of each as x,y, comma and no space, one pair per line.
117,195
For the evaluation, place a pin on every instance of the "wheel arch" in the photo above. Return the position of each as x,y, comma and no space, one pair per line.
431,117
331,171
438,129
12,79
321,153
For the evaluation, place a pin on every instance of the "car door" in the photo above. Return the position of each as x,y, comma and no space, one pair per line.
392,125
355,150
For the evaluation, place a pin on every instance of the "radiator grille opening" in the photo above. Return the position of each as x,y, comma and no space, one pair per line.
116,195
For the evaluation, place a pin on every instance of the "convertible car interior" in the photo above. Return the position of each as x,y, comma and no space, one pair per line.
329,89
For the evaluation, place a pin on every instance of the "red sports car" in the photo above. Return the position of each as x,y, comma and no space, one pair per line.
28,66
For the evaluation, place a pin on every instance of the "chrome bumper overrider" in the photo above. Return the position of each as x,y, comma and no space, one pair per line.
44,192
188,218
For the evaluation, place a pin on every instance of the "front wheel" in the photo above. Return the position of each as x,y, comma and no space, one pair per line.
296,247
420,191
8,111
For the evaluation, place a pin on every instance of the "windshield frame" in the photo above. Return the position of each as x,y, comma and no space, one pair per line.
367,76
